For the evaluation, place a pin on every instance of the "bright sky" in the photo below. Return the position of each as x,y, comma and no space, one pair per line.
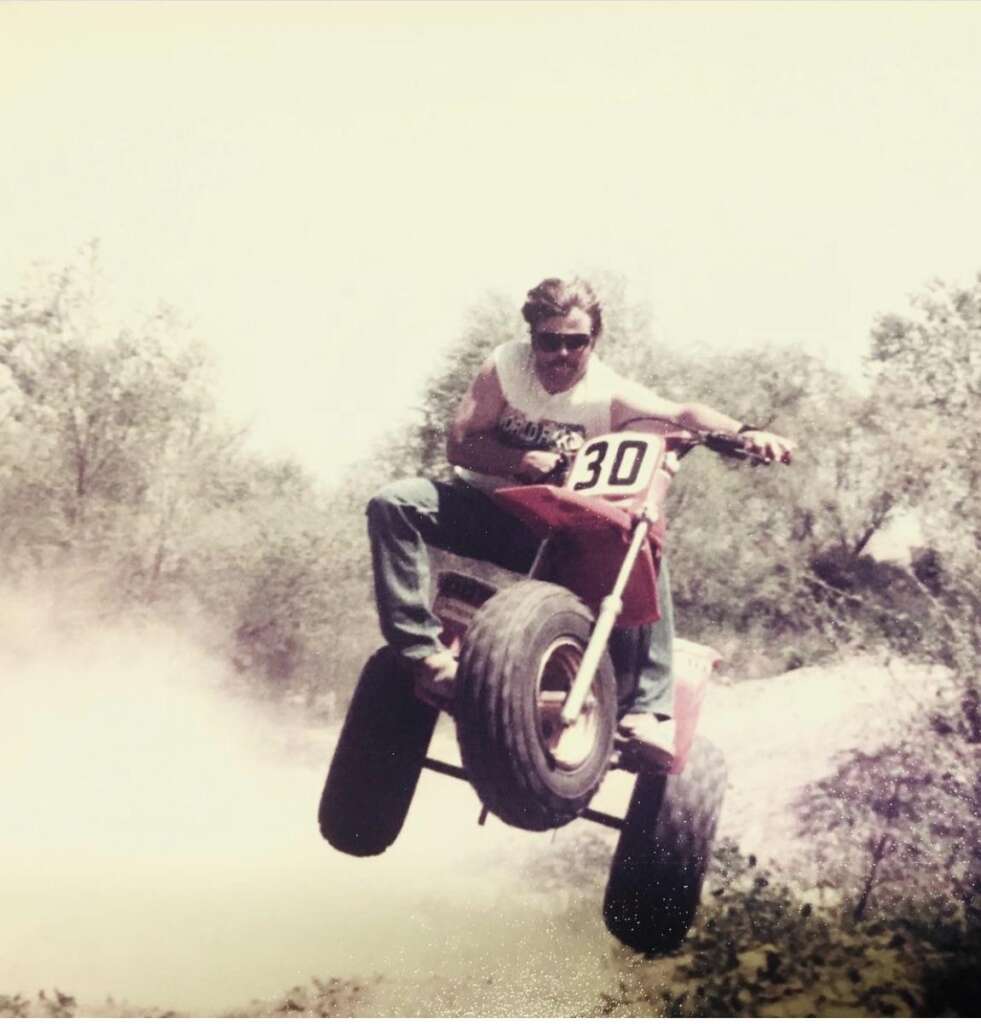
324,189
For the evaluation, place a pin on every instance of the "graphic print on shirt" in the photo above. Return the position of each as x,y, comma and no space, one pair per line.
516,430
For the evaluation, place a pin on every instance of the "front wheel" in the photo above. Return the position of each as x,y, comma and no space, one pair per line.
519,659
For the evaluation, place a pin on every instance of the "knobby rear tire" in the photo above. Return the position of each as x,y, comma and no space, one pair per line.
663,854
377,760
528,637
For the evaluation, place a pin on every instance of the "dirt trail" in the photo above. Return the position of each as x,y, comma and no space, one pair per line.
781,733
160,842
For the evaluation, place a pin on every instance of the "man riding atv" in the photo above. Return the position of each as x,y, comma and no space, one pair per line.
532,404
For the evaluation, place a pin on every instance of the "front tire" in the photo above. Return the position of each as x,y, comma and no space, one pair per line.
663,854
518,661
377,760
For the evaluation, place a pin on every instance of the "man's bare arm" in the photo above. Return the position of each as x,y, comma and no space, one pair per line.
472,444
640,403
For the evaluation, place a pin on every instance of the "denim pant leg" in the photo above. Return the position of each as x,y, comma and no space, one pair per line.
408,515
655,686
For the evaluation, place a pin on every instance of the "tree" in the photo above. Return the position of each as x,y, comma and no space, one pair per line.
96,419
934,354
914,811
928,372
487,325
118,471
918,801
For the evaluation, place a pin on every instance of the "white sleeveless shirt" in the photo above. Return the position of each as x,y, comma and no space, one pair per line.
532,419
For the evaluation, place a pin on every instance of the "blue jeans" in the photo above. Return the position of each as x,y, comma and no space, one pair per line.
408,515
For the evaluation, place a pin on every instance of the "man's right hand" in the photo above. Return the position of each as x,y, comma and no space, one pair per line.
535,466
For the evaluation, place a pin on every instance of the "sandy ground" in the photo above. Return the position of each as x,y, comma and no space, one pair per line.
160,843
782,733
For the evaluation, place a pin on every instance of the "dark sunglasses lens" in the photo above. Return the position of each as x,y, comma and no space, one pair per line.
553,342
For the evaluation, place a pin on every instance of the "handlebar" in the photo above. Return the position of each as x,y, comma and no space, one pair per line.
733,446
730,446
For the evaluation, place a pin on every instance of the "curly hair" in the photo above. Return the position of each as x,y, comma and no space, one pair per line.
555,297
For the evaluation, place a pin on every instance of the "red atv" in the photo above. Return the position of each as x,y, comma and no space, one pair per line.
537,693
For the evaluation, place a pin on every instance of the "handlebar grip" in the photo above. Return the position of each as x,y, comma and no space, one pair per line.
731,445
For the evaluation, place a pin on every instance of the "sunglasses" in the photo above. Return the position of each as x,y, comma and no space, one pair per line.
547,342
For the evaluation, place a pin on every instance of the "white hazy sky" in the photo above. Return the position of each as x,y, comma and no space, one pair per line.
323,189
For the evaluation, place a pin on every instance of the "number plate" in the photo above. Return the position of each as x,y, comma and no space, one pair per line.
616,464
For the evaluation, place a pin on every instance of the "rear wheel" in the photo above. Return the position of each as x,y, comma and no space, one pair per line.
377,760
519,659
663,854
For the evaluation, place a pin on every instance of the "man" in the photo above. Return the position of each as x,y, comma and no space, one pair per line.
531,401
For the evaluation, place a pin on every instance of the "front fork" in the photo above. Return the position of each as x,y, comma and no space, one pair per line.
609,612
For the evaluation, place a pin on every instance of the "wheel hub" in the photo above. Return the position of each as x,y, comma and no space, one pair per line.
568,745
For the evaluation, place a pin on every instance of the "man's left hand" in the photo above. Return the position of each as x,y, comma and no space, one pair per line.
769,447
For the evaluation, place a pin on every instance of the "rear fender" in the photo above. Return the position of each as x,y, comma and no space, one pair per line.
693,665
457,599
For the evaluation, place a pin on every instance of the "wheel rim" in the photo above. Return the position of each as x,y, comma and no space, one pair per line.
570,746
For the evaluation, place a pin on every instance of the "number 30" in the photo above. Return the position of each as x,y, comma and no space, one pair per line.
622,471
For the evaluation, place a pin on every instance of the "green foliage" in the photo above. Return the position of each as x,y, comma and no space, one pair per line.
118,472
759,950
95,420
14,1006
57,1005
908,810
743,541
491,324
60,1005
628,342
928,374
933,356
336,997
117,468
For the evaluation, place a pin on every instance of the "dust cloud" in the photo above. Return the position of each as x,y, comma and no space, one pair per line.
160,843
160,847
